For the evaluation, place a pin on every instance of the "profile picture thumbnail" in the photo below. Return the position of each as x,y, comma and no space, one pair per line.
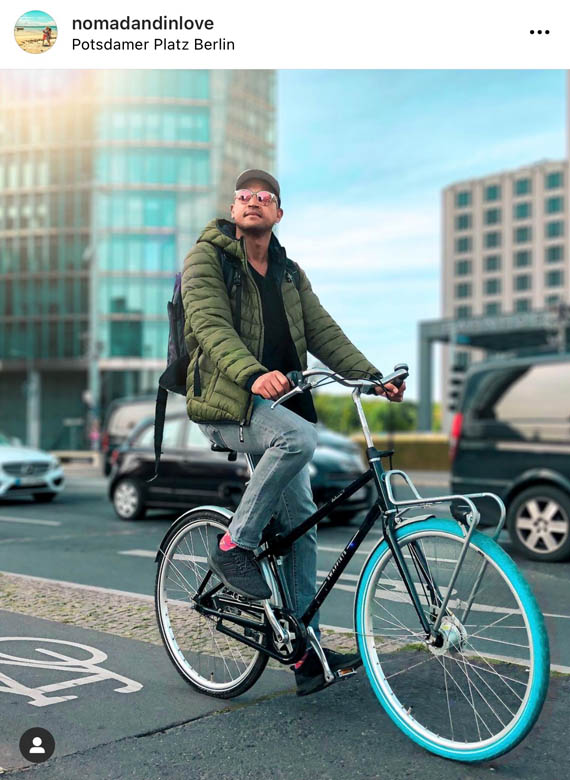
35,32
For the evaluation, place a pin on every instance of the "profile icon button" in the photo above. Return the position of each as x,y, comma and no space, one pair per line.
37,745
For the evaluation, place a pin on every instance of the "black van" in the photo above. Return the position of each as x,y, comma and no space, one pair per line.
512,437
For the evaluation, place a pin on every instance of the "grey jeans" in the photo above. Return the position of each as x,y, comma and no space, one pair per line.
281,444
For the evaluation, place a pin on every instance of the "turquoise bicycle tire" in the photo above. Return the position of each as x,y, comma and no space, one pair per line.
525,720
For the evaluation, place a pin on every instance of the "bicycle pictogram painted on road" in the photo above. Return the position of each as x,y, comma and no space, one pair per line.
88,668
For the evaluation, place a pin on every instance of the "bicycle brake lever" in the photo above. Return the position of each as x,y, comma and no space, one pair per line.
280,400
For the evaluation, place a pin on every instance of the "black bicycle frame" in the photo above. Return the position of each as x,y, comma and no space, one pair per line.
281,543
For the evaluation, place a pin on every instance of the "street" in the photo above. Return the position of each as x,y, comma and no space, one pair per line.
79,539
92,609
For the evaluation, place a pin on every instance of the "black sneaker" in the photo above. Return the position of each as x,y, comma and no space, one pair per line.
310,677
239,571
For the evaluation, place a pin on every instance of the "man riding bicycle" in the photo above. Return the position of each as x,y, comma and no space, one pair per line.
233,378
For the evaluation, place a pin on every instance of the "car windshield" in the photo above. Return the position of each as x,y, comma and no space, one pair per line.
124,418
4,440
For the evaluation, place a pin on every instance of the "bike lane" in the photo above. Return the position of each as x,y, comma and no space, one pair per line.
90,688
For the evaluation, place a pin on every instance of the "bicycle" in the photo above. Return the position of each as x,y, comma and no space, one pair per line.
451,637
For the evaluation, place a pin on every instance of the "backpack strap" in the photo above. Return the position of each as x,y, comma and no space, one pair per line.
159,415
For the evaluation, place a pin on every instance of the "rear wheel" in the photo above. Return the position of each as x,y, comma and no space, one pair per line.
477,692
210,661
128,501
539,523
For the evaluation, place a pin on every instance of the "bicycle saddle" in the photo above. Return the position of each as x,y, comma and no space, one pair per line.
217,448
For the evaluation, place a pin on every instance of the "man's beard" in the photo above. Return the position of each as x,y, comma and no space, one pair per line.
254,230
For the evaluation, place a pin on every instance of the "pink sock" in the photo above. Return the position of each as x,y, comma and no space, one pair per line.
300,663
226,542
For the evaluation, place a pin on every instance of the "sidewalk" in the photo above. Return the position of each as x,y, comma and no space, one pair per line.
136,717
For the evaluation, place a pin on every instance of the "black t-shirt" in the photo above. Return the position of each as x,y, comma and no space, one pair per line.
279,353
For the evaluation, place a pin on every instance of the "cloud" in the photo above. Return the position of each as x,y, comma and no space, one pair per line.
358,238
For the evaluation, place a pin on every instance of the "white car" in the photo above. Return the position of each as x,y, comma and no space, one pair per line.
24,471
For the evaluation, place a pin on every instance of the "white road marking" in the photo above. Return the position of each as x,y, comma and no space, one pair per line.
27,520
321,575
143,597
88,666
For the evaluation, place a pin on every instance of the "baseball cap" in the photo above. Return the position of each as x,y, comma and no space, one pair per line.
255,173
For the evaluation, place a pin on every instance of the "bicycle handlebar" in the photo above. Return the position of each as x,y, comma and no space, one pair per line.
299,380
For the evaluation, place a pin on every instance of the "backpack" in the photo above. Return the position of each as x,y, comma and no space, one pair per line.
173,379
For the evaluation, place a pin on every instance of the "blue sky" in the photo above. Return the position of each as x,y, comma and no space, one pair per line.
362,159
35,19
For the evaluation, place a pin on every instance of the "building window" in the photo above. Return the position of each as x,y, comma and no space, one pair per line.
462,267
522,305
522,186
554,180
554,253
462,312
522,282
463,222
554,205
522,210
492,192
554,278
463,198
522,234
493,308
492,240
552,300
463,290
523,257
492,286
463,244
554,229
492,263
492,216
461,360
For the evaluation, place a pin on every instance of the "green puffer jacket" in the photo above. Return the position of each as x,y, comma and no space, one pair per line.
226,359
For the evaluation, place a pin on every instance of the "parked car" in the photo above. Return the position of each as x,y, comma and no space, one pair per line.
123,415
27,471
192,474
512,437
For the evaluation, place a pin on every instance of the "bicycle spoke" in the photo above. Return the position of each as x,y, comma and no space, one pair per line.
209,658
479,699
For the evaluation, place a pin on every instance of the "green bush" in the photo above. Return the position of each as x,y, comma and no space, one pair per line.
338,412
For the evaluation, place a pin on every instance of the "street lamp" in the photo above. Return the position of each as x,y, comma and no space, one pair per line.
92,395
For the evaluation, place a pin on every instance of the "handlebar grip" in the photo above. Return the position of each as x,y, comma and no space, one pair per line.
398,382
294,377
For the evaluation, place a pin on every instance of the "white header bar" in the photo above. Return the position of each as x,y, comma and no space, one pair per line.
295,34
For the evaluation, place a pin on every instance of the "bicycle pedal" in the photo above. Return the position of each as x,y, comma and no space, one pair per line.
341,674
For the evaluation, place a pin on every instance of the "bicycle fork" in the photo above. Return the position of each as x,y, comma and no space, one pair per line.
388,529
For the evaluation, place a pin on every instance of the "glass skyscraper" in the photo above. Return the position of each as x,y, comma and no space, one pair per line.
106,180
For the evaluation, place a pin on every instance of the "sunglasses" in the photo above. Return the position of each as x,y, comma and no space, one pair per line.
263,196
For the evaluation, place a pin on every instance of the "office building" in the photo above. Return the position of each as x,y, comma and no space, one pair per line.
106,179
504,249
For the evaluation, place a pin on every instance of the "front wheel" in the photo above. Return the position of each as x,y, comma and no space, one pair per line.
478,691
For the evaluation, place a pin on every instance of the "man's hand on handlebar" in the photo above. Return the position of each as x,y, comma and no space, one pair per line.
394,393
272,385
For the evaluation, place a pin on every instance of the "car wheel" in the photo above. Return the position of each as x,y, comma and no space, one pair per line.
44,498
539,523
128,500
